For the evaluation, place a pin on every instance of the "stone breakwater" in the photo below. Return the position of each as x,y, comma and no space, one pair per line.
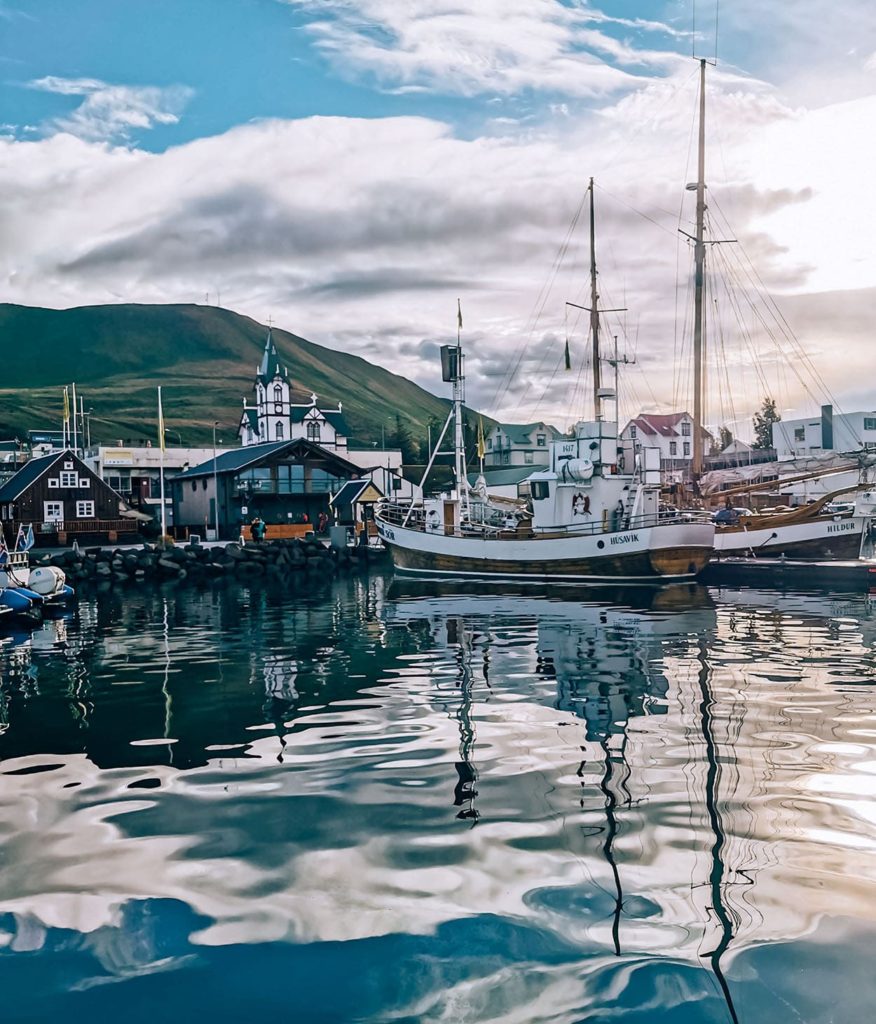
277,558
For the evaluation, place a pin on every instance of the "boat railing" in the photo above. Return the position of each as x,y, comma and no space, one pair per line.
414,518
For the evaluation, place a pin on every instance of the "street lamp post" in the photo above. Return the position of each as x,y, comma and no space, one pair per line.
215,486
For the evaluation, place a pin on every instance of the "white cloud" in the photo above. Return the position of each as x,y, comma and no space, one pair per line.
360,234
494,46
114,112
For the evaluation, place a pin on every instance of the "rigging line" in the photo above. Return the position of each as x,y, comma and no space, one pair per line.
539,306
733,297
783,325
638,212
723,350
756,313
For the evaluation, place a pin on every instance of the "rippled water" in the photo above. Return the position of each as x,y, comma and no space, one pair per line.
380,805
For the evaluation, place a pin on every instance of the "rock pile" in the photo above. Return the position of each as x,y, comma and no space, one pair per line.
194,561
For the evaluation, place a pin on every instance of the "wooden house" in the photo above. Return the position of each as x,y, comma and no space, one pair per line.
62,499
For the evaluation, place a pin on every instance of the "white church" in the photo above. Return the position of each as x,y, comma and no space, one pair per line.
281,413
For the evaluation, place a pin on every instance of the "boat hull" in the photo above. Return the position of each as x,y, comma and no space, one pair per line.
818,539
648,554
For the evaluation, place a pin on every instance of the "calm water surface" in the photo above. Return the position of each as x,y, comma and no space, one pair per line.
373,804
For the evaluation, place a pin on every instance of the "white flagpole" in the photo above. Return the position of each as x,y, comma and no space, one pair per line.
161,467
75,434
65,430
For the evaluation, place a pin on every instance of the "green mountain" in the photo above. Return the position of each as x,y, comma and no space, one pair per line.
203,357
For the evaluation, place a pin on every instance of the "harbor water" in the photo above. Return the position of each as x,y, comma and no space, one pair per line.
372,802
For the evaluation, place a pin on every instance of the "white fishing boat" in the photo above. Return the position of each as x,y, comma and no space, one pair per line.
590,518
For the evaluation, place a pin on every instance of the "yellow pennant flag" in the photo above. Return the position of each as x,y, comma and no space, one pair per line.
160,422
482,448
66,407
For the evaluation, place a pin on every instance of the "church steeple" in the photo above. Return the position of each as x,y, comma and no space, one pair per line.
270,358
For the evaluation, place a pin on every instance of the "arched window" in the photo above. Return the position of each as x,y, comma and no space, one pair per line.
312,431
278,432
278,393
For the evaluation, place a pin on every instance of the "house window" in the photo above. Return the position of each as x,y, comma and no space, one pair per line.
685,428
68,465
53,511
529,458
85,510
506,458
687,447
632,433
490,443
68,478
278,432
85,481
53,482
541,440
673,448
800,433
870,423
313,431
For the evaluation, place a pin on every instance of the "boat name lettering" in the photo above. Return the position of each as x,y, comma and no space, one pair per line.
626,538
840,527
386,532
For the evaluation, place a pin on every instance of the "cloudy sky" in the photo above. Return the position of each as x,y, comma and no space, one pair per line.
352,167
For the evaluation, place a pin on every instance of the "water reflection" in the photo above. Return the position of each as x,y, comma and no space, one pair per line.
409,804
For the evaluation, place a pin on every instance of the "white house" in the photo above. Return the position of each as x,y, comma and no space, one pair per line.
671,432
519,444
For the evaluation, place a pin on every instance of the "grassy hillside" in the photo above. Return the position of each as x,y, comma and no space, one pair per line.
204,358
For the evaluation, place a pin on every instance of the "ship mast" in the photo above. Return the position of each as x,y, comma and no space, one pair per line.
458,436
699,273
594,313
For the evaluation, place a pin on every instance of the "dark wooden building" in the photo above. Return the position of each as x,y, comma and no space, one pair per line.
284,483
62,499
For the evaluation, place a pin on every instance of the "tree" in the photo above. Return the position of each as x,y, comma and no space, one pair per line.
725,438
763,424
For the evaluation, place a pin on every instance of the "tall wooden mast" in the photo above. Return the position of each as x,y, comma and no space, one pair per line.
699,272
594,313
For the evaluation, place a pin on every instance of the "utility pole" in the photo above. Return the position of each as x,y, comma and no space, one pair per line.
215,486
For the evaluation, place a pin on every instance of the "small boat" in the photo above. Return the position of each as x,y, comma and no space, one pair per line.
589,519
28,591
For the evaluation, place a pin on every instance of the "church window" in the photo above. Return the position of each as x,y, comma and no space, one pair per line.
278,393
278,432
313,431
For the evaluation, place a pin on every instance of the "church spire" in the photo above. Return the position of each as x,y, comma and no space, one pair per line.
270,356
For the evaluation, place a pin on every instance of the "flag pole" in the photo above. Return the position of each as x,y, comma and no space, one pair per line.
65,429
75,435
161,467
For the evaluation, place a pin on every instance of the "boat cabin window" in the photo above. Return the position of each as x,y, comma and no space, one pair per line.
541,489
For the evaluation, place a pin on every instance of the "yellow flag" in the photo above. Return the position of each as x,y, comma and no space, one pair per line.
66,407
482,448
160,422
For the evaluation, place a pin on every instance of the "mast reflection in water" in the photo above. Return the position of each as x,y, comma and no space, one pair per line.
378,804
